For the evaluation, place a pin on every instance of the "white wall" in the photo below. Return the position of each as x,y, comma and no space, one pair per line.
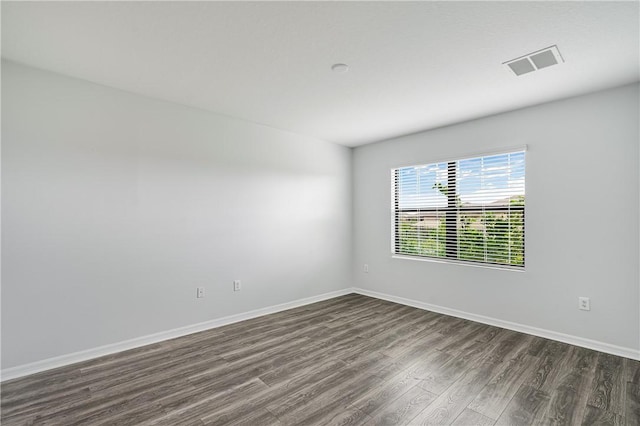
116,207
581,220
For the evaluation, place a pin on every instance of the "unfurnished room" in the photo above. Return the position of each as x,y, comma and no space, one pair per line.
320,213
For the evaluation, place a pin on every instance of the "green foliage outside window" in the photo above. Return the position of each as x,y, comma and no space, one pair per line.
483,236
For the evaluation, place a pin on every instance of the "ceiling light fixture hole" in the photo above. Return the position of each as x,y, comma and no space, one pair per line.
340,68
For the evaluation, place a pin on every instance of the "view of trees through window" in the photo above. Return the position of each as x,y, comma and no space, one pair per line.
470,210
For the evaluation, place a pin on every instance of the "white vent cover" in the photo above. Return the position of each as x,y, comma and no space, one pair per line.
534,61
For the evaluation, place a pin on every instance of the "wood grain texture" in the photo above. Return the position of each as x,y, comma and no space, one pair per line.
608,385
526,408
632,404
596,416
496,395
403,408
572,388
352,360
472,418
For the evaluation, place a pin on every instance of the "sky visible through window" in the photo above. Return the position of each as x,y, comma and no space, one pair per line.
480,181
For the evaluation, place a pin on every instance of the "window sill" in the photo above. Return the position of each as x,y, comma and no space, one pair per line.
458,262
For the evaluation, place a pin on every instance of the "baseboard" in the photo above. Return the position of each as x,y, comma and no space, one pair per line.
63,360
547,334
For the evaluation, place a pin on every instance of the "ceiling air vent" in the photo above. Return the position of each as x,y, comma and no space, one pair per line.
535,61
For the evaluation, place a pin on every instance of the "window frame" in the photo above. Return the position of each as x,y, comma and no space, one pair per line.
452,212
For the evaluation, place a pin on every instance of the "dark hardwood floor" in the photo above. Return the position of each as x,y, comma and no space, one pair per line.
349,360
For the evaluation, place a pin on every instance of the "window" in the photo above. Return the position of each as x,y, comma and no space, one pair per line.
469,210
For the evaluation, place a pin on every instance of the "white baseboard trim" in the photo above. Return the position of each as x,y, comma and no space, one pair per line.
60,361
63,360
547,334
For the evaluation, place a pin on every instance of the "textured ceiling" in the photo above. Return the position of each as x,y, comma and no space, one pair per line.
413,66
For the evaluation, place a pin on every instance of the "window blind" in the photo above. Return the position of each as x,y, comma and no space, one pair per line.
470,210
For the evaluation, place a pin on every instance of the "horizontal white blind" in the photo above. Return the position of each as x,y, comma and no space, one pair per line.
470,210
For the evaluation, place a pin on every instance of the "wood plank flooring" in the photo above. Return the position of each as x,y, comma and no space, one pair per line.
352,360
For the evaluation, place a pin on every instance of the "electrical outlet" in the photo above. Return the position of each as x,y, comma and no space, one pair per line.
236,285
366,268
200,292
584,303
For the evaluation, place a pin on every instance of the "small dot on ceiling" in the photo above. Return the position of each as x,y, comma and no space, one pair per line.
340,68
